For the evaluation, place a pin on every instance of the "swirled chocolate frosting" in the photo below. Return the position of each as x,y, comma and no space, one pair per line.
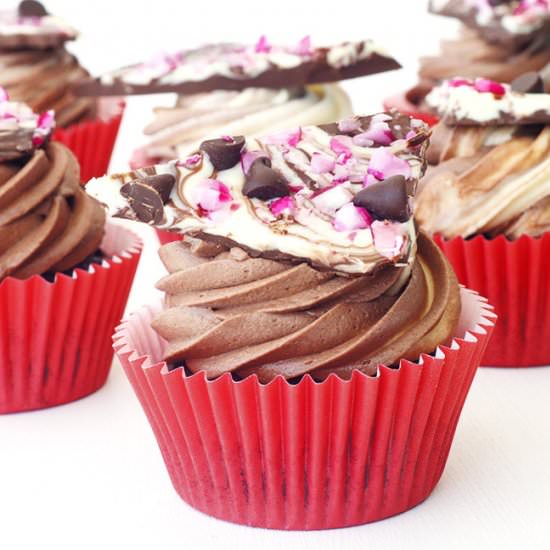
336,196
47,221
490,159
35,68
229,312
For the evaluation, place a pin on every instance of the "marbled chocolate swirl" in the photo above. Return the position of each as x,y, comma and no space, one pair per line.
228,312
47,221
492,177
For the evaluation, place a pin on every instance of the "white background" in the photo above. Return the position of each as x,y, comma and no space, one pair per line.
89,475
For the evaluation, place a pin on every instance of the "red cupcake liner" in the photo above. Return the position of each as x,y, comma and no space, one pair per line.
166,237
515,277
310,455
55,338
93,141
403,104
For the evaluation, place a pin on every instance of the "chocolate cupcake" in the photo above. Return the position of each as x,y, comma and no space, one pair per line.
56,252
498,40
37,69
300,275
487,196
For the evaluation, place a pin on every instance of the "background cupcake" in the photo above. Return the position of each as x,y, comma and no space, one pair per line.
64,274
487,197
498,40
36,68
304,265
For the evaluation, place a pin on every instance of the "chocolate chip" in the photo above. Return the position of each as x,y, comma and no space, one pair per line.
147,196
263,182
223,153
31,8
386,200
528,83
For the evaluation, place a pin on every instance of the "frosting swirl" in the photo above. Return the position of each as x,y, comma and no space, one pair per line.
228,312
47,222
178,131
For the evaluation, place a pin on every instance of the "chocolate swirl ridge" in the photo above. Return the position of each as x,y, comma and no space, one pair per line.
47,222
228,312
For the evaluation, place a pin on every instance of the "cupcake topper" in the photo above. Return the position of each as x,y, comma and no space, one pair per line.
30,26
483,102
21,130
500,20
336,196
238,66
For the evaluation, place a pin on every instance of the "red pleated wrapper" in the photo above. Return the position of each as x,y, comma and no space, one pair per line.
310,455
93,141
55,338
515,277
404,105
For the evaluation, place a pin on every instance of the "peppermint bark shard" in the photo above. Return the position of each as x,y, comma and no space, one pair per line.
483,102
238,66
299,195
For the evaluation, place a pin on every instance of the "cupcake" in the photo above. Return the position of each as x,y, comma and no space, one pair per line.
36,69
64,273
498,40
301,275
235,89
487,199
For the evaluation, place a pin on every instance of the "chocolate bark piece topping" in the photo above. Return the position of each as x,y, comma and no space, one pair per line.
263,182
31,8
240,66
223,152
386,200
148,195
265,206
528,83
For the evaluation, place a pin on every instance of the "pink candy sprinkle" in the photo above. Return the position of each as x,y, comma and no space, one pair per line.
388,238
458,82
3,95
350,218
279,206
332,198
288,137
378,132
349,125
384,164
262,46
211,195
46,120
191,161
228,139
303,48
321,164
484,85
341,145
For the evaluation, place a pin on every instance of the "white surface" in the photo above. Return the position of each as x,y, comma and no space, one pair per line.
89,475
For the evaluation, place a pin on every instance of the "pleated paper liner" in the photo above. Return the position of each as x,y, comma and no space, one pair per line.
515,277
55,338
405,103
310,455
166,237
93,141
